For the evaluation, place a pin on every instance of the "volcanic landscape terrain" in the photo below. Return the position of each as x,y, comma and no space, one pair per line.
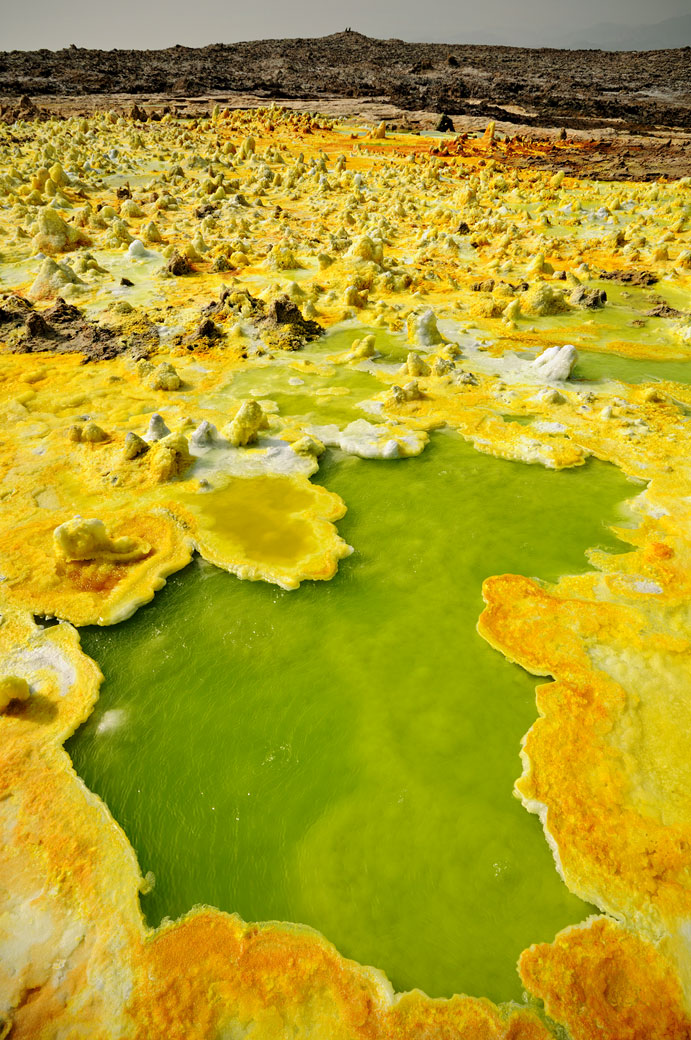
633,108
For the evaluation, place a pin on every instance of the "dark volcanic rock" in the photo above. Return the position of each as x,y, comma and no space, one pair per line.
62,329
36,327
629,277
26,109
280,322
445,125
287,327
178,264
62,313
552,87
204,210
14,311
663,310
588,298
207,329
282,311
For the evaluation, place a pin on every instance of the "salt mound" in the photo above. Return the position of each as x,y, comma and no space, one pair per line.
53,235
542,300
246,425
422,329
79,539
52,279
555,364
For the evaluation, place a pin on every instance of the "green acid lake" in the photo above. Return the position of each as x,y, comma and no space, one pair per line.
344,755
593,366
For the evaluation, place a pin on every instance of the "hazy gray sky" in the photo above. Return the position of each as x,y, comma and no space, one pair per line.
147,23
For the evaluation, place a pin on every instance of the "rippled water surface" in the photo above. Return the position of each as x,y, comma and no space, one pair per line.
343,755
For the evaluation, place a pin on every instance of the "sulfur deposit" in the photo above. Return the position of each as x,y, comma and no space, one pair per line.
305,288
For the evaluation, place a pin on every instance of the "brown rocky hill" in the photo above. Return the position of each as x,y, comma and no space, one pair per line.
542,86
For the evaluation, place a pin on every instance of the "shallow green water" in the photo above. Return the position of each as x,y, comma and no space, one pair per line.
592,365
344,755
393,346
309,394
630,370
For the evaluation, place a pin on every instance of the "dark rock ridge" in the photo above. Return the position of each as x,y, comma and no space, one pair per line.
544,87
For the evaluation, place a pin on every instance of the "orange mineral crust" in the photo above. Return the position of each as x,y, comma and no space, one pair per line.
288,978
601,980
613,811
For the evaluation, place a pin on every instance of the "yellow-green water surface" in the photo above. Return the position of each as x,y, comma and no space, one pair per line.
594,366
344,755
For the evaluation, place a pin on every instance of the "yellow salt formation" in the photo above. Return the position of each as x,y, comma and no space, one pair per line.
53,278
230,525
308,446
165,378
54,235
246,425
80,539
422,329
542,299
470,289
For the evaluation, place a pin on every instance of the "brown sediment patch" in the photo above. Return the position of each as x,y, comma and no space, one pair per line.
663,310
62,329
629,277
